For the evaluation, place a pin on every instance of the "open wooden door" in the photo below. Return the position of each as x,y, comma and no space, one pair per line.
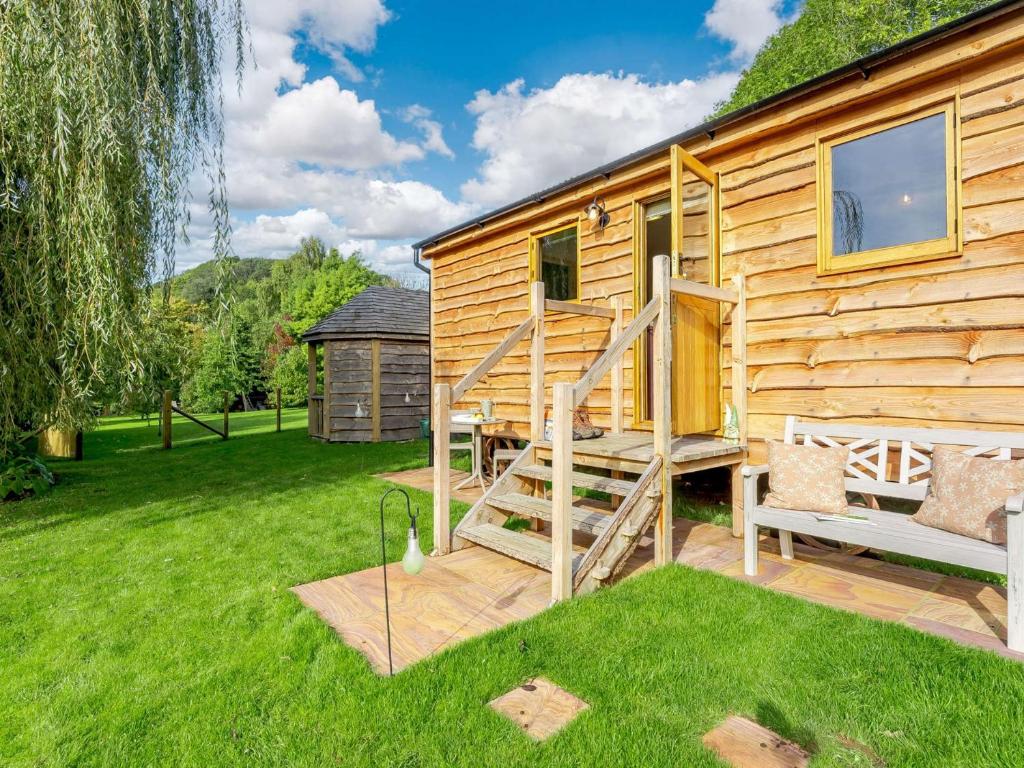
696,353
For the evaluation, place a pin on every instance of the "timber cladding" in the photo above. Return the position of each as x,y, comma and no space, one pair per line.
386,381
936,343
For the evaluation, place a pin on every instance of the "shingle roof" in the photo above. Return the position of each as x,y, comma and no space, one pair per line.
377,311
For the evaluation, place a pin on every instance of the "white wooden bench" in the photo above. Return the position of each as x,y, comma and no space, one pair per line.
895,462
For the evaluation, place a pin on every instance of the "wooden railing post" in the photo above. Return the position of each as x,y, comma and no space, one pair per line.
165,419
661,413
739,392
537,363
617,382
227,405
277,393
442,461
561,493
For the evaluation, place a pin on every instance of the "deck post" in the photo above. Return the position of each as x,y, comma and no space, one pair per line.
537,363
739,393
165,419
661,413
442,477
616,331
561,493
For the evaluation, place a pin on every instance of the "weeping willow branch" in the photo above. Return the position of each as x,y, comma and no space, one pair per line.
848,220
108,109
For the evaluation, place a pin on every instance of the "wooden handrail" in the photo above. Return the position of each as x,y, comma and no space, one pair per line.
703,291
605,362
518,334
573,308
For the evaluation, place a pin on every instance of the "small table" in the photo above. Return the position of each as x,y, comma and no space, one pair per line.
478,425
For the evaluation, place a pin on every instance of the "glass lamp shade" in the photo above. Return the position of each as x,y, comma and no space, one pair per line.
592,212
413,560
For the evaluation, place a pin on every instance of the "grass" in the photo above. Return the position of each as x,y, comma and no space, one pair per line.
145,619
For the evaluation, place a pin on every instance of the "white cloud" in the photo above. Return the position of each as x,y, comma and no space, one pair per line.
276,237
307,157
321,123
333,27
548,135
433,139
745,24
370,206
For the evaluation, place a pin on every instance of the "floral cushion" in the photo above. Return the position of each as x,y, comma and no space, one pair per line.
807,477
967,494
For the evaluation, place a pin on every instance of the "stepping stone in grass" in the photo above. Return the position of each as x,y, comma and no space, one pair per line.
744,744
539,707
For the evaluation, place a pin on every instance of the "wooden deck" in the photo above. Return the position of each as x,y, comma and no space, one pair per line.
634,451
472,591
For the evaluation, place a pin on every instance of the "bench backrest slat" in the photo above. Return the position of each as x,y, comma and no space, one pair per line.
896,461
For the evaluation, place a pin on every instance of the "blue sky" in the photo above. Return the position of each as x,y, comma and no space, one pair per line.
372,124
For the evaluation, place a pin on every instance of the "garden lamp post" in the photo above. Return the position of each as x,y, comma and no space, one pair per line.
412,561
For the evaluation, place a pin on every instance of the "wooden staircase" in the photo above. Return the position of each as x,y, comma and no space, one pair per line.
604,534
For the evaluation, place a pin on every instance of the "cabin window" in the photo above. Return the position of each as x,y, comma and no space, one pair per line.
888,194
555,261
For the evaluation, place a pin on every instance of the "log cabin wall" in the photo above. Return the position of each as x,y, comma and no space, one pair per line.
937,343
379,375
404,388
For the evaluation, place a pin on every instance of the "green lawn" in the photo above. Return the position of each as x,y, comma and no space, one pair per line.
145,620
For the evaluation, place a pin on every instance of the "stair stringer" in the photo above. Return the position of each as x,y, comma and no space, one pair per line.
612,548
481,512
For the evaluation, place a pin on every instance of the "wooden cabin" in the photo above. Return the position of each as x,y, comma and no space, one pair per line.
862,234
369,368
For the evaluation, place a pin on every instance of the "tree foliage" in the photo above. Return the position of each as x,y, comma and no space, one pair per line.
197,351
832,33
106,109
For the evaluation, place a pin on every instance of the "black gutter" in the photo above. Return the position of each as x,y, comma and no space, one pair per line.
861,67
416,253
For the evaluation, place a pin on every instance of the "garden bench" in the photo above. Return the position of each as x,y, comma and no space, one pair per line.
895,462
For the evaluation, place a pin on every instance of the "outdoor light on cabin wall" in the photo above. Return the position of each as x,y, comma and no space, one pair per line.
596,214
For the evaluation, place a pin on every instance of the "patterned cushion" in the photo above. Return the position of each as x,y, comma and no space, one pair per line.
967,494
806,477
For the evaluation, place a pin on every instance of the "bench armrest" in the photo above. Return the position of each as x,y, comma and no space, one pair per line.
753,470
1015,504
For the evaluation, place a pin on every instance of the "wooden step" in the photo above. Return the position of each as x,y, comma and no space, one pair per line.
519,546
586,519
579,480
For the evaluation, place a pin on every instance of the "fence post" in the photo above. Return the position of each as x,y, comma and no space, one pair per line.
278,393
442,476
662,413
165,419
226,405
561,493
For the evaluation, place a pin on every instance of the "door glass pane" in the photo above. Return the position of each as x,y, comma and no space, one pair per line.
695,255
889,188
559,269
657,239
657,242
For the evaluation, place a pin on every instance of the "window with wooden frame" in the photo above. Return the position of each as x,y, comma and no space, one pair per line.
888,193
555,261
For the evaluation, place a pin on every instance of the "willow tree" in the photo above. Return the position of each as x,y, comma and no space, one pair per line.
108,109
